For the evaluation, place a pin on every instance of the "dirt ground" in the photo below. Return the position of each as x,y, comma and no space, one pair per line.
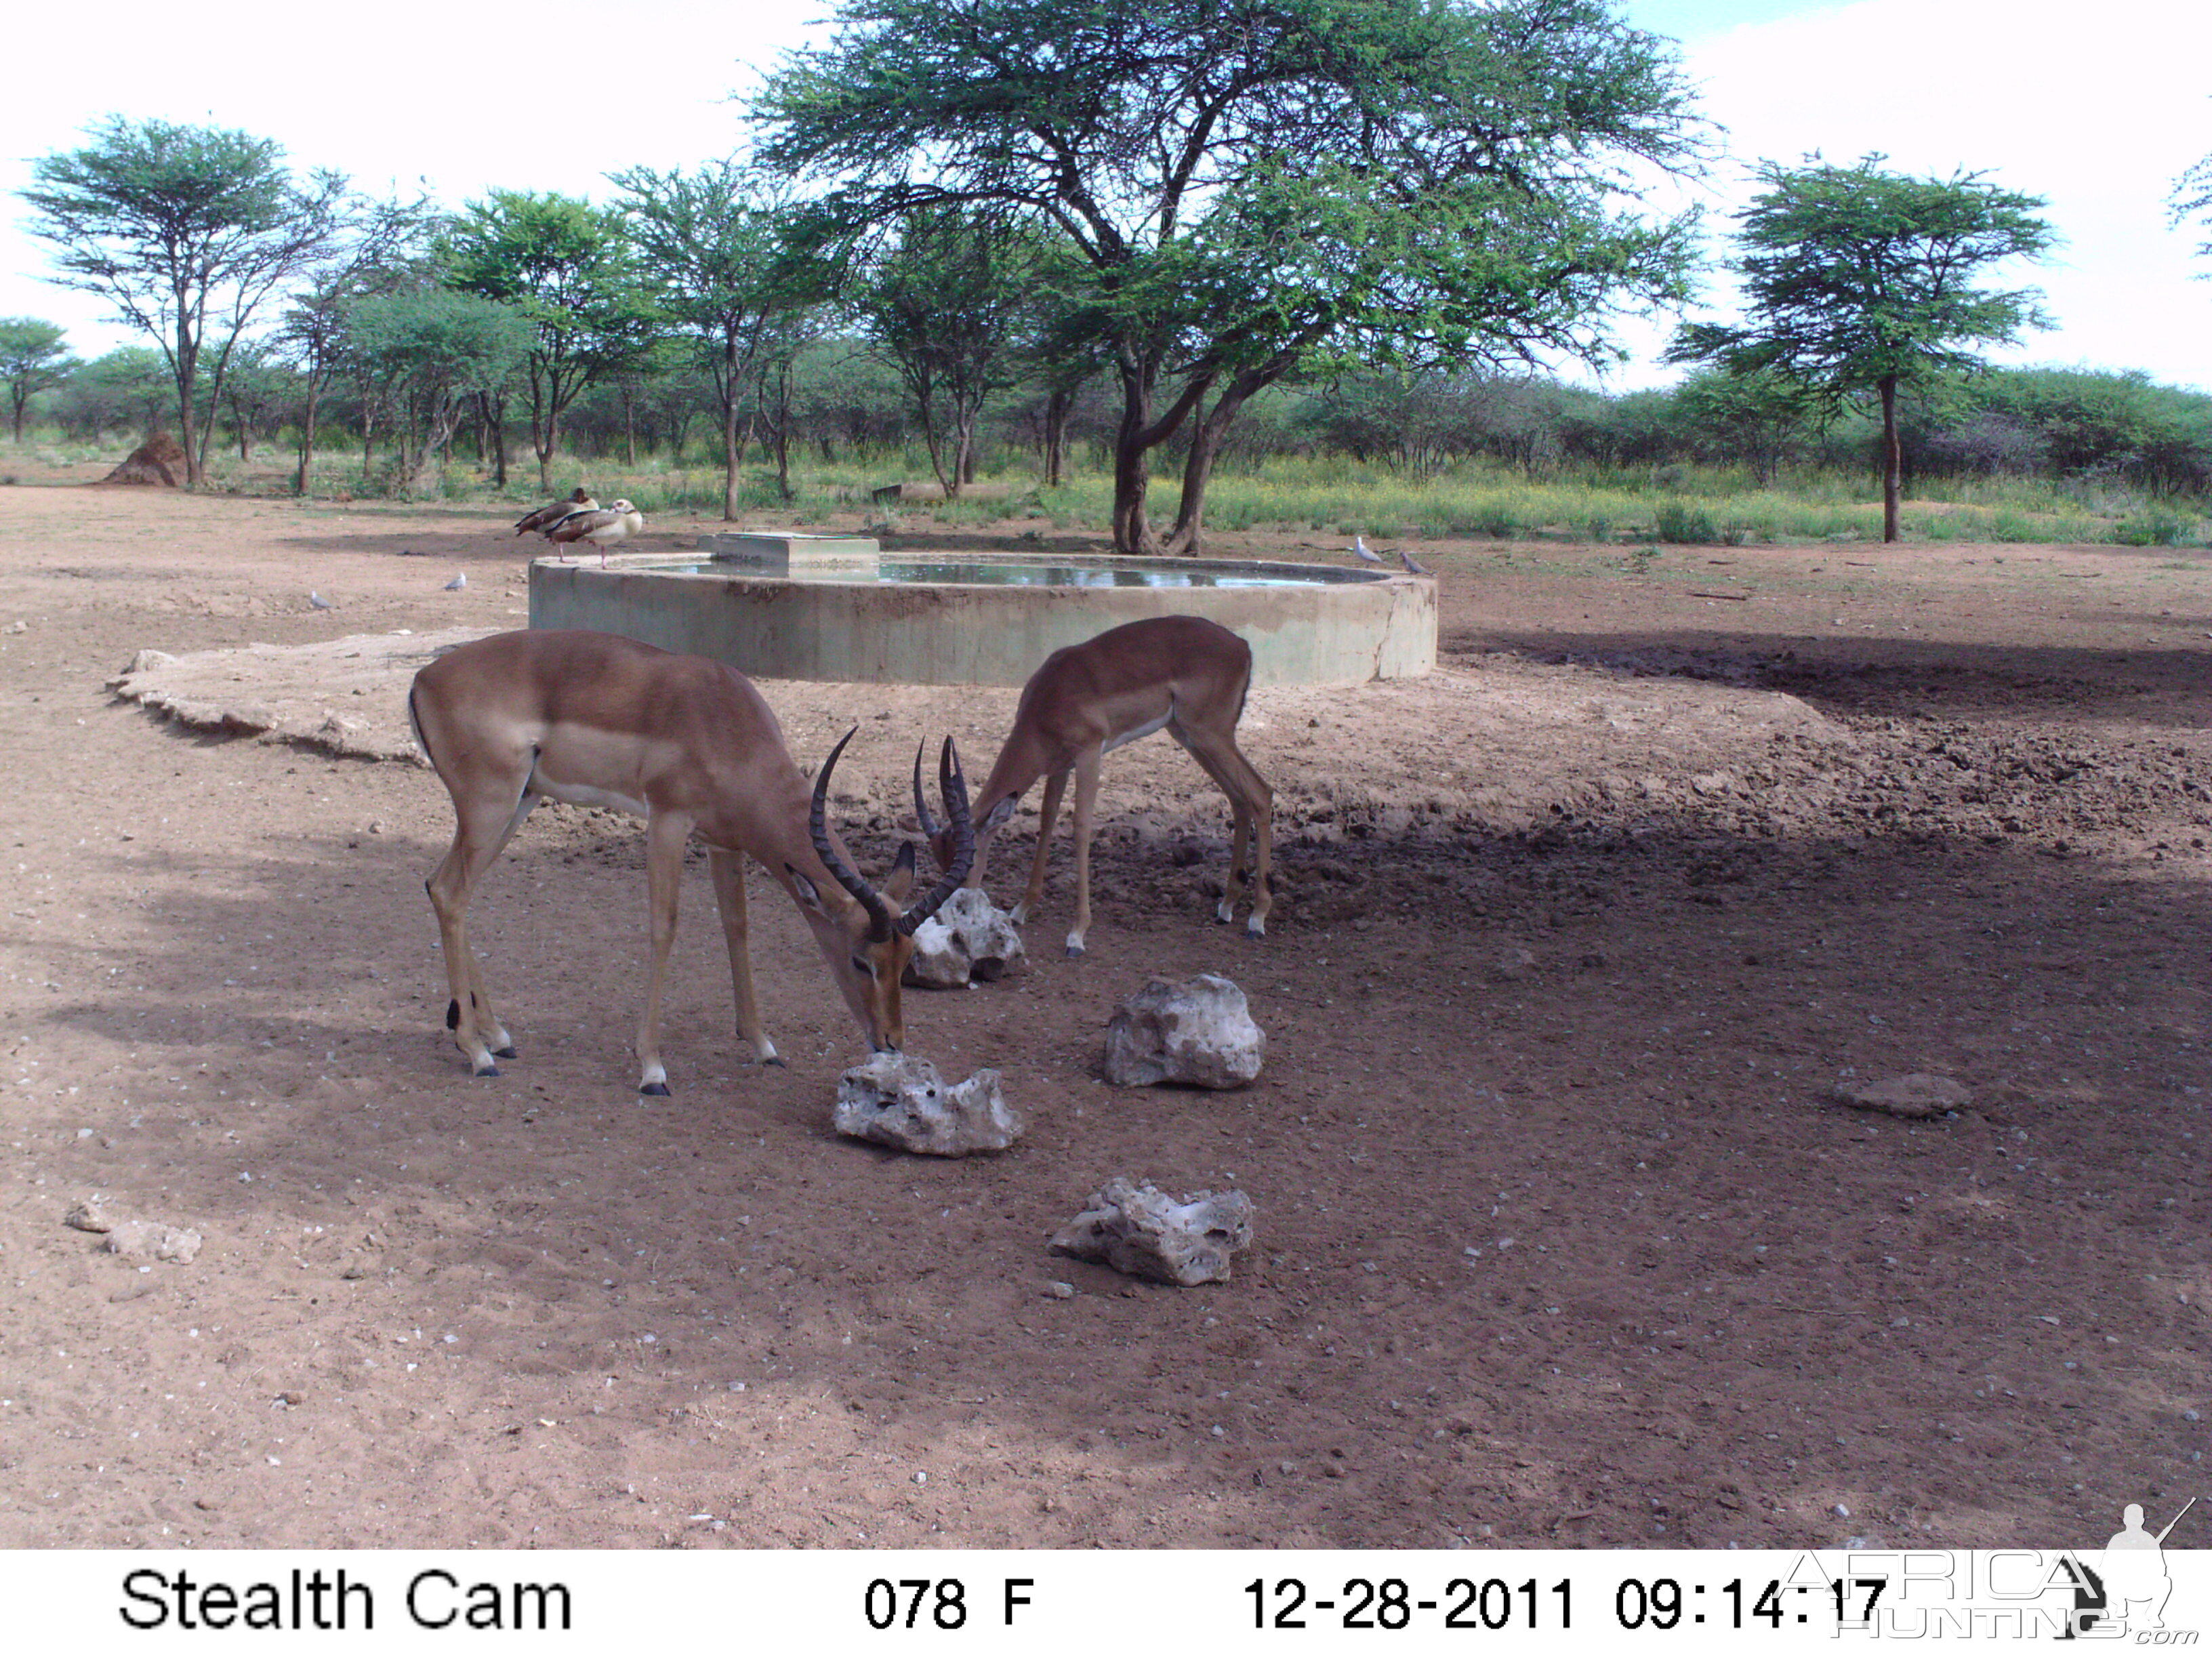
1562,1238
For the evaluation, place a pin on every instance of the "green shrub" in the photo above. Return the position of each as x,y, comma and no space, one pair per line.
1680,522
2154,527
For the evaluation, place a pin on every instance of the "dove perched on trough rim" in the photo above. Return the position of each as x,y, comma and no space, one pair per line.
1413,566
1367,555
460,581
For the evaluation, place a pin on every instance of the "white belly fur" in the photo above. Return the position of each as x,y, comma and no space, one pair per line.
1143,731
579,795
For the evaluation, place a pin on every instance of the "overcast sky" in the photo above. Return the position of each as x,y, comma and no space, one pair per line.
2096,107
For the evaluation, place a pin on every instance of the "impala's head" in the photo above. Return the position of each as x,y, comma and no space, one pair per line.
868,942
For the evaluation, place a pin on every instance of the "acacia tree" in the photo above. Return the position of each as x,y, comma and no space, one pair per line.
1263,187
430,351
187,231
382,247
1756,416
1860,281
2192,199
720,244
951,302
32,358
569,268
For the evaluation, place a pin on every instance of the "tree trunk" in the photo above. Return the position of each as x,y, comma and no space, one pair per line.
1198,468
303,481
732,456
496,404
21,397
1891,458
629,430
1131,533
1055,435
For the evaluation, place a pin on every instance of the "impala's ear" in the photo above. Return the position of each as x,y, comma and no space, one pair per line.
900,882
997,816
807,893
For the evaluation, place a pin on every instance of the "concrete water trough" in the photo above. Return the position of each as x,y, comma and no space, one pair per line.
836,609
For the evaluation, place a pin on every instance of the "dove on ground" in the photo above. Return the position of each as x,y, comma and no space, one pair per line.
1413,566
319,601
1367,553
460,581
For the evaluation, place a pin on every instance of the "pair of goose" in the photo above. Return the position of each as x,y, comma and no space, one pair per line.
580,519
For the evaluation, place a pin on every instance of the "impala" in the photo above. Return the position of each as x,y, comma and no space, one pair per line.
688,744
1184,673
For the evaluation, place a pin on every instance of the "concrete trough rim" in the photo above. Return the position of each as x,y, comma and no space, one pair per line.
1295,574
1314,625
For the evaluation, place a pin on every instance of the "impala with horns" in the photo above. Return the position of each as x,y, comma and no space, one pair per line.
688,744
1183,673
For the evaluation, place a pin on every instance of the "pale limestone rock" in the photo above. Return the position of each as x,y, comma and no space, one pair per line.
969,939
1141,1231
89,1215
178,1244
901,1101
1918,1094
1199,1032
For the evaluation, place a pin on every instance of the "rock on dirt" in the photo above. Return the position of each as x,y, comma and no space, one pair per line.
89,1215
901,1100
970,938
1200,1032
152,1238
1141,1231
1918,1094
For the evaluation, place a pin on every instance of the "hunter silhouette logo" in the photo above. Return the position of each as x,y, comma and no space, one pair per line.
2127,1590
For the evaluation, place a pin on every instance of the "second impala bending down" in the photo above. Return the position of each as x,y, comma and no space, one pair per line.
688,744
1184,673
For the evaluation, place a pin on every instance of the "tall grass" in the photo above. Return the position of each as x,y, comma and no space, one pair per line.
1330,496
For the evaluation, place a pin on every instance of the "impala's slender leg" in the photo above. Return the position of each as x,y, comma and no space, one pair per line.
728,870
1251,807
1086,797
482,826
1048,815
665,834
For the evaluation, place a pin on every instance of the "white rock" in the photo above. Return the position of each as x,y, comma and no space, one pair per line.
902,1102
969,939
1918,1094
1141,1231
1198,1032
89,1216
152,1238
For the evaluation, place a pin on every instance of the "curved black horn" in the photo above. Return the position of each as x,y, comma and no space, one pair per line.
879,913
952,784
929,830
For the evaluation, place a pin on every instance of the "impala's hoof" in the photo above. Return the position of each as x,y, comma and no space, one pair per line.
484,1071
1074,951
507,1053
776,1061
1222,913
1256,930
652,1088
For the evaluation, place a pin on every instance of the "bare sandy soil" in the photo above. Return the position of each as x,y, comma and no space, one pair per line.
1562,1239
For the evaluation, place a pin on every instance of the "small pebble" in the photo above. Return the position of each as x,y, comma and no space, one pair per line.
1059,1290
